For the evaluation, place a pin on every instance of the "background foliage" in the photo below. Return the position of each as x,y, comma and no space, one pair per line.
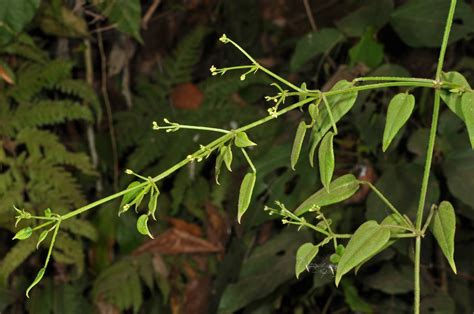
81,83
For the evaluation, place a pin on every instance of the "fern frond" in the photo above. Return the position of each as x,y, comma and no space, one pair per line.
49,112
81,90
69,251
32,78
44,145
179,67
52,186
25,47
81,228
120,285
6,181
17,255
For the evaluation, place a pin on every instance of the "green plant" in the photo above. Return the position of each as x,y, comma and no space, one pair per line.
325,109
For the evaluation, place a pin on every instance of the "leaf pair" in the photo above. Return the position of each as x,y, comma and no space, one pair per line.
326,153
460,100
135,197
339,105
225,155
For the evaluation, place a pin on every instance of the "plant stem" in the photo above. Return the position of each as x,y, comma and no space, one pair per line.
227,136
249,161
387,202
193,127
392,78
416,307
429,156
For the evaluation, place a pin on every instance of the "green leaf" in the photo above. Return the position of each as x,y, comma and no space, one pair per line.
399,111
245,194
38,278
125,14
313,111
420,23
142,225
340,189
153,203
42,237
467,107
339,104
219,161
369,238
367,51
242,140
453,99
371,13
443,227
23,234
355,302
305,254
129,196
228,158
314,44
326,160
298,143
14,16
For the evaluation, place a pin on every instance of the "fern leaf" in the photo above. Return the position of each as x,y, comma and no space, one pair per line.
69,251
119,285
16,256
83,91
81,228
44,145
49,112
179,68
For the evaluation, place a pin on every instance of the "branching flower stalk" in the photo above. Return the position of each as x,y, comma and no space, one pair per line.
324,109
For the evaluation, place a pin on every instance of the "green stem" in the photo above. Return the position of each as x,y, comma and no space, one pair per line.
53,239
444,45
429,156
428,220
43,225
387,202
392,78
227,136
416,307
331,118
249,161
192,127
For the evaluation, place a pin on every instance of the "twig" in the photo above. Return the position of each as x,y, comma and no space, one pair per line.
149,13
105,95
310,15
90,128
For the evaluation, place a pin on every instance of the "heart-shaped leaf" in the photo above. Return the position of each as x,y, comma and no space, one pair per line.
452,98
245,195
326,160
305,254
399,111
368,239
467,108
23,234
142,225
242,140
298,143
443,227
38,278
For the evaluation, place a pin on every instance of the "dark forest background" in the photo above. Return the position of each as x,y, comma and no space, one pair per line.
81,83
